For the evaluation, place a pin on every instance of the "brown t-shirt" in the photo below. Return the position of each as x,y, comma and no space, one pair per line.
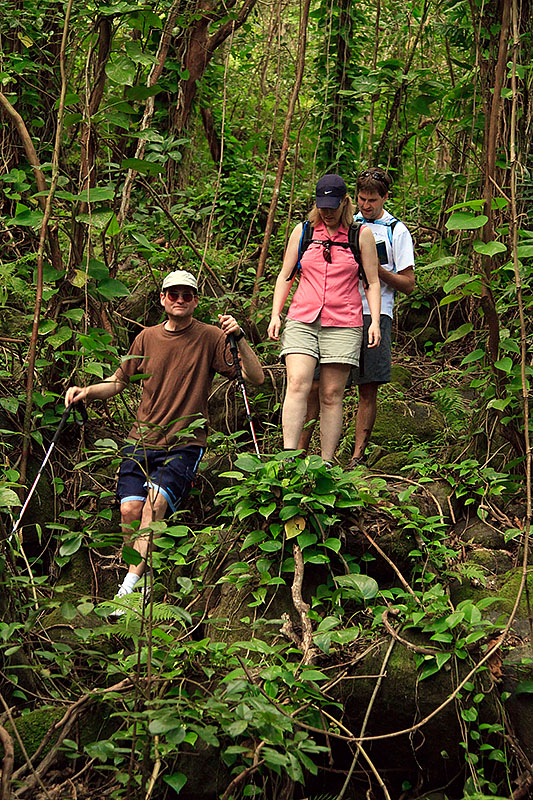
180,366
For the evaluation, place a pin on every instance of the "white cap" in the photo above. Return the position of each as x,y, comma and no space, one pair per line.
180,278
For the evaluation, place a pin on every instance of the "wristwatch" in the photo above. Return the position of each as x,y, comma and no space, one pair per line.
238,336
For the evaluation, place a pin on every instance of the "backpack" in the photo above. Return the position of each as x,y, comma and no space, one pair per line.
353,243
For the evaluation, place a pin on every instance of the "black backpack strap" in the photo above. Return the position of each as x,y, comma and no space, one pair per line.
303,244
354,231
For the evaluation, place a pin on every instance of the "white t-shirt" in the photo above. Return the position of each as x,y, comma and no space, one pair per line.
399,254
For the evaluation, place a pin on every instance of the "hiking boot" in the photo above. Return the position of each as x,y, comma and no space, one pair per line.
357,462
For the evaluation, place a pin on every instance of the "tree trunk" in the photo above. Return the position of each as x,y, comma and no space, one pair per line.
302,41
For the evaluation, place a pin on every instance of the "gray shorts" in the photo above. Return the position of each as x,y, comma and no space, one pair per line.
375,364
329,345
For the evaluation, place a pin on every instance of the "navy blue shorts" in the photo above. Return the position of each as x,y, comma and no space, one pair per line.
169,472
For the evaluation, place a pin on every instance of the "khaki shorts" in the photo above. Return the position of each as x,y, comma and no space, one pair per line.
328,345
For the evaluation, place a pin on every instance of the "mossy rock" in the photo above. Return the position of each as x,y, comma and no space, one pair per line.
426,335
401,376
503,589
33,726
478,532
391,463
396,419
494,562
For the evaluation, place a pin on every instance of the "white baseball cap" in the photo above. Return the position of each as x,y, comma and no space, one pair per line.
180,278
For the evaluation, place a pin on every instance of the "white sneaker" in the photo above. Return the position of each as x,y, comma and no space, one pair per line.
145,592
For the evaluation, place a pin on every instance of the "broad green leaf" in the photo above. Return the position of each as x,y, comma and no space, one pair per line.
131,556
75,314
489,248
266,511
525,687
253,538
59,337
456,281
328,623
366,587
475,204
463,330
98,219
121,70
333,544
524,251
504,364
313,675
163,724
345,636
8,498
10,404
96,194
306,539
47,326
176,781
113,229
464,221
30,219
475,355
237,727
499,403
68,611
142,166
111,288
71,546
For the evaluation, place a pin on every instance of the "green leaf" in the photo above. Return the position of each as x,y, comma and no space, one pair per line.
237,727
463,330
366,587
142,166
475,204
113,229
96,194
504,364
59,337
176,781
524,251
464,221
475,355
68,611
306,539
328,623
525,687
131,556
75,314
266,511
163,724
489,248
313,675
71,546
97,219
458,280
121,70
111,288
8,498
253,538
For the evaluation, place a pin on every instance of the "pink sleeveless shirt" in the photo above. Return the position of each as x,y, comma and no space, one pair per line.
331,290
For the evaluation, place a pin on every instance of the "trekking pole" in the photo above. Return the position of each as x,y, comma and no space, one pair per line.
235,353
62,421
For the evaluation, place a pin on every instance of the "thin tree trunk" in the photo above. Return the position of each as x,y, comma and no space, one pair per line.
401,88
302,41
374,96
487,299
32,353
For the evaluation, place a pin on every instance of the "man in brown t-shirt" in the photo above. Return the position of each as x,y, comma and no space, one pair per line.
178,360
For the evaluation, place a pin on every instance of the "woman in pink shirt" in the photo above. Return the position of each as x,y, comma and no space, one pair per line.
325,319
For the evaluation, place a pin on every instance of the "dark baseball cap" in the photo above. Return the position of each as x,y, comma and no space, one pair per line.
330,190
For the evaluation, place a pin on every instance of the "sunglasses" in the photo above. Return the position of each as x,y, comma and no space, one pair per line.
175,294
374,175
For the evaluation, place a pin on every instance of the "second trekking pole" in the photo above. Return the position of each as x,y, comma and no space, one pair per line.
62,422
235,354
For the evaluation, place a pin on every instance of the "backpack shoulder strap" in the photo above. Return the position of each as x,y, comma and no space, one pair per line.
354,231
305,240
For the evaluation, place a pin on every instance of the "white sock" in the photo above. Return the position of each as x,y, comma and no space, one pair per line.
129,582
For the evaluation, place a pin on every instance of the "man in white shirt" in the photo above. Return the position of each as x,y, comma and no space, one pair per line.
396,272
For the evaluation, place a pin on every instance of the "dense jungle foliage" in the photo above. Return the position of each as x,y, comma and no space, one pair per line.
312,633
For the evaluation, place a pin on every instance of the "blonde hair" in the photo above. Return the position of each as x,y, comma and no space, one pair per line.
346,217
